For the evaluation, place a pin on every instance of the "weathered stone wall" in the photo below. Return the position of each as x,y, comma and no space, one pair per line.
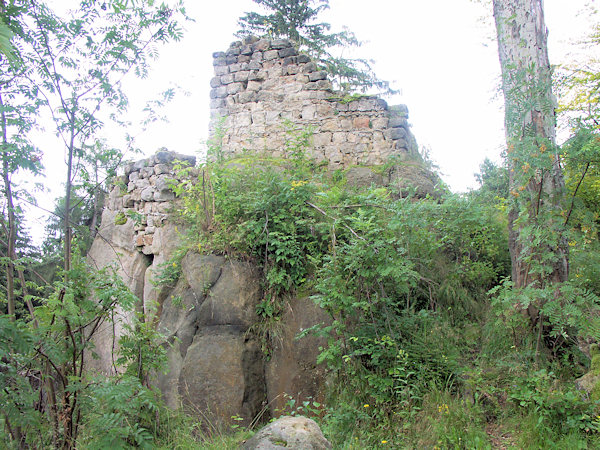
259,85
148,198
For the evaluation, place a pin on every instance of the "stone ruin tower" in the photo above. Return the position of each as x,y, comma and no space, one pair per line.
216,367
260,85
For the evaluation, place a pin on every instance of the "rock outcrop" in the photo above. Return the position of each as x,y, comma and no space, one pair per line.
216,366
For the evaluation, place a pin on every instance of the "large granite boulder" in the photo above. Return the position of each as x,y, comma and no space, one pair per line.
292,371
216,366
298,433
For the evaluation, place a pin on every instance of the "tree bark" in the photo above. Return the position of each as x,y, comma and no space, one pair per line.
530,133
11,238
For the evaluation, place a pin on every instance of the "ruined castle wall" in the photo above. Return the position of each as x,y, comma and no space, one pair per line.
260,85
145,197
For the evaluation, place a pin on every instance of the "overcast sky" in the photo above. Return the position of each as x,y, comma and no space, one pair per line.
440,53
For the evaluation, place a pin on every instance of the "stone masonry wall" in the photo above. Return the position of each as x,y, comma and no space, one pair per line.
260,84
149,198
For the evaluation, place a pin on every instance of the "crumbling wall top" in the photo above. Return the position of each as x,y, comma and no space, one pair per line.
263,87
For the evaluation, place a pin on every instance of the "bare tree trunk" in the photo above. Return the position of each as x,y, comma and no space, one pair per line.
11,238
530,130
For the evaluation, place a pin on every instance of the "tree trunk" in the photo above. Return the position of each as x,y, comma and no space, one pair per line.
538,249
536,181
11,238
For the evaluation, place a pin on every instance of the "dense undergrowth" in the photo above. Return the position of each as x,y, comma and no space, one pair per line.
423,351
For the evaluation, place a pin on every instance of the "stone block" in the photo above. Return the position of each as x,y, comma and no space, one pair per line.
324,109
217,103
322,139
234,88
127,201
254,65
148,194
221,70
309,112
216,55
339,137
278,44
243,59
243,119
219,62
227,79
395,133
270,55
233,51
261,45
257,57
133,176
139,240
258,118
316,76
163,196
246,97
229,60
289,60
303,59
361,122
235,68
139,165
253,86
246,49
292,69
141,183
379,123
324,85
286,52
272,117
241,76
330,125
302,78
146,172
397,122
309,67
275,72
161,168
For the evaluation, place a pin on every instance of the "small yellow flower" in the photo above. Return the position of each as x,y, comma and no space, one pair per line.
384,442
174,264
366,405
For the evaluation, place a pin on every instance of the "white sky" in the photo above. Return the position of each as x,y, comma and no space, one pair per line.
441,54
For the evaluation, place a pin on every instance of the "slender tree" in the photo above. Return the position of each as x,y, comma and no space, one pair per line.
74,68
536,232
297,20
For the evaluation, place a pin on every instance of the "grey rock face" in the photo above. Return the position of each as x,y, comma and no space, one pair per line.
298,433
293,368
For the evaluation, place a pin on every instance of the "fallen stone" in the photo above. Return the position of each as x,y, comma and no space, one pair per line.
298,433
